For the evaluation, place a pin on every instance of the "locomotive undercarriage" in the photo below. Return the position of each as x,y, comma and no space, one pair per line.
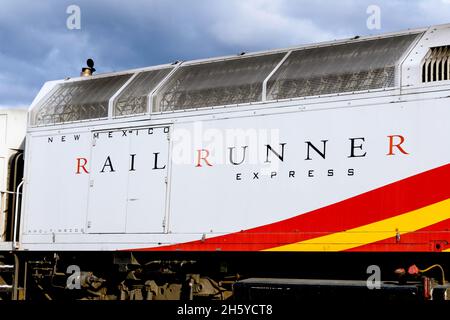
213,276
113,277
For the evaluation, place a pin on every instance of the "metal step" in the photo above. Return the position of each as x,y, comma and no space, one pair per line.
6,268
7,275
6,288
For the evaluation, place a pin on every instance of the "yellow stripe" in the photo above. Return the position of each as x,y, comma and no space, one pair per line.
380,230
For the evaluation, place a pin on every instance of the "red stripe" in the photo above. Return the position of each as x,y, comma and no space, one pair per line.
393,199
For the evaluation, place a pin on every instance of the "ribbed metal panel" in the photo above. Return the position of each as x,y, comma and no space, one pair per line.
354,66
345,67
78,100
216,83
133,100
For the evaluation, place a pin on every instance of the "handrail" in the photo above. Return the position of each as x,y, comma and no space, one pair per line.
16,215
9,192
3,210
264,85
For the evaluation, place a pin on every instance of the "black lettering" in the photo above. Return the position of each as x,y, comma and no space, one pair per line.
76,137
150,131
269,148
238,176
291,174
244,148
110,134
124,133
273,174
311,173
255,175
350,172
108,163
353,147
132,162
50,139
155,167
330,172
96,135
63,138
310,145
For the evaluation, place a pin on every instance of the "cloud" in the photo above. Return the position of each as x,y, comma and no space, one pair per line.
262,24
37,46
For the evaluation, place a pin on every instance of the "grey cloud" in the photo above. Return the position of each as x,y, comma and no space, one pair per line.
36,46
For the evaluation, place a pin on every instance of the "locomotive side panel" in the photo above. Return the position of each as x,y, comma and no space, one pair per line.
376,171
315,160
56,194
350,157
128,179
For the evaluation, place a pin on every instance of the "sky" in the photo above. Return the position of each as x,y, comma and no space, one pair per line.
44,40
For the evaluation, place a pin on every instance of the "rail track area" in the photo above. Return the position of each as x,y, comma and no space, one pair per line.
203,277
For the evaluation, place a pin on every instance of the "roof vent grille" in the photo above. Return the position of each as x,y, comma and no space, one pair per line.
435,66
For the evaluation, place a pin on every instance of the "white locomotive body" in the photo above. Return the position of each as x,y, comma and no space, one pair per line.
262,151
339,146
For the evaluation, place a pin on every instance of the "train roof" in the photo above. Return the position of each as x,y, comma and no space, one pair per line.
349,65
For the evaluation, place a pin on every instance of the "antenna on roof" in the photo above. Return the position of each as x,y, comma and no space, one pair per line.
86,72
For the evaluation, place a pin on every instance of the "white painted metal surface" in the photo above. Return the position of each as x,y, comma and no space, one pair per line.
146,199
131,164
412,67
55,196
108,172
83,194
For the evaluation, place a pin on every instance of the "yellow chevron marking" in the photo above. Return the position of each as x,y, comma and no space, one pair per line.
380,230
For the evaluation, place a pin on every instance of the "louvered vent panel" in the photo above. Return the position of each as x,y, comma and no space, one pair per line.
435,65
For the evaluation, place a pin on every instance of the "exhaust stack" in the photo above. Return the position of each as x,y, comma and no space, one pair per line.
89,70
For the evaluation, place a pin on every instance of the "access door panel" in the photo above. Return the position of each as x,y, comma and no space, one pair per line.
147,180
128,181
108,182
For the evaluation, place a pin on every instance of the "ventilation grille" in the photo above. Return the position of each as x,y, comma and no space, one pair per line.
133,100
435,66
354,66
78,100
216,83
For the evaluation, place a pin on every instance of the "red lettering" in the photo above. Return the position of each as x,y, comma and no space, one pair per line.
204,158
396,145
81,165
